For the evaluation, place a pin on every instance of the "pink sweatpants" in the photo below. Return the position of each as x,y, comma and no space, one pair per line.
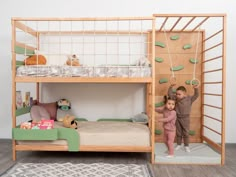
169,138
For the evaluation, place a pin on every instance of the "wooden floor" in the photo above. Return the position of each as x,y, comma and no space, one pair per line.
228,170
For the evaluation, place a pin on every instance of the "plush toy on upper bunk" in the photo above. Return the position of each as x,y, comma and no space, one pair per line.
73,60
35,60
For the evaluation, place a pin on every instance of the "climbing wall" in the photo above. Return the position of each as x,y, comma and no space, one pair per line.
182,54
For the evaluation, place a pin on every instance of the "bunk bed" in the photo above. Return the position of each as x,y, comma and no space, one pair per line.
114,50
110,50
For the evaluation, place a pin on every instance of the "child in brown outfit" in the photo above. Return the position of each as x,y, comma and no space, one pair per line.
183,109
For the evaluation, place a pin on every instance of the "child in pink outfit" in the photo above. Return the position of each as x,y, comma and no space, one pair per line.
169,118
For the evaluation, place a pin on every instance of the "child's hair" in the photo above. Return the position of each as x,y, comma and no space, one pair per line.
166,98
182,88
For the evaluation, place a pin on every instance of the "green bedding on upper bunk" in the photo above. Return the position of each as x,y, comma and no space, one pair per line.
25,51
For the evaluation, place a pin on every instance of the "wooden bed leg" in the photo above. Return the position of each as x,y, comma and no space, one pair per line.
13,150
153,157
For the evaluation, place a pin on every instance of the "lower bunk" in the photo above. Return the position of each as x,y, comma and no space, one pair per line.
104,136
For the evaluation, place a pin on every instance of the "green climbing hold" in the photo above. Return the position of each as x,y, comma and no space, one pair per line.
163,80
187,82
158,132
187,46
159,104
160,44
191,132
159,60
175,37
193,60
177,68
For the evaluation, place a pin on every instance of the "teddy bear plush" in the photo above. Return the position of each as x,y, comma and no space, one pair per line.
35,60
73,60
69,122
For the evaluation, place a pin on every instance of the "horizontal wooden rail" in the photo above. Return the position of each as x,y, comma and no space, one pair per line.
31,147
95,32
214,145
189,15
220,82
25,28
212,106
213,118
218,32
210,71
199,25
117,80
212,47
211,59
212,130
212,94
83,19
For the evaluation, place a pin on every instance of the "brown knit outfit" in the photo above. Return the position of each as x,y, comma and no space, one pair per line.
183,109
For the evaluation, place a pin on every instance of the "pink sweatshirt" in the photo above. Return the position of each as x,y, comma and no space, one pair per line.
169,118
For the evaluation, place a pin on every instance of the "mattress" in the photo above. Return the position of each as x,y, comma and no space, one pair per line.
83,71
105,133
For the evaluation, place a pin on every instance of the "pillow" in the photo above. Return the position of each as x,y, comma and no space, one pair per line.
140,118
51,108
38,113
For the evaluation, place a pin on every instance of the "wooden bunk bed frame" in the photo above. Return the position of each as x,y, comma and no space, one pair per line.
148,81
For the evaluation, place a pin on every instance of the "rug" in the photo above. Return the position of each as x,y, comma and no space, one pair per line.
78,170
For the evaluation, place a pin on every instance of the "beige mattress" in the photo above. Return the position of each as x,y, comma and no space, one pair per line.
106,134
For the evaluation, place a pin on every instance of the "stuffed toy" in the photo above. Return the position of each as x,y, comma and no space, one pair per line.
69,122
35,60
63,106
73,60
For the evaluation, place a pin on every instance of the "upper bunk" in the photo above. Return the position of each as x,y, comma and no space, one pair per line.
84,50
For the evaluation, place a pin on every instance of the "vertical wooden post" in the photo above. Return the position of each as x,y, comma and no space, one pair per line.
153,90
202,85
13,67
223,91
37,84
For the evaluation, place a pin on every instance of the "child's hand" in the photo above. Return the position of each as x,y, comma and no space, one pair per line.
195,85
173,84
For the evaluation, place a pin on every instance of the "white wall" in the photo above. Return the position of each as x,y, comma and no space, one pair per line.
103,8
